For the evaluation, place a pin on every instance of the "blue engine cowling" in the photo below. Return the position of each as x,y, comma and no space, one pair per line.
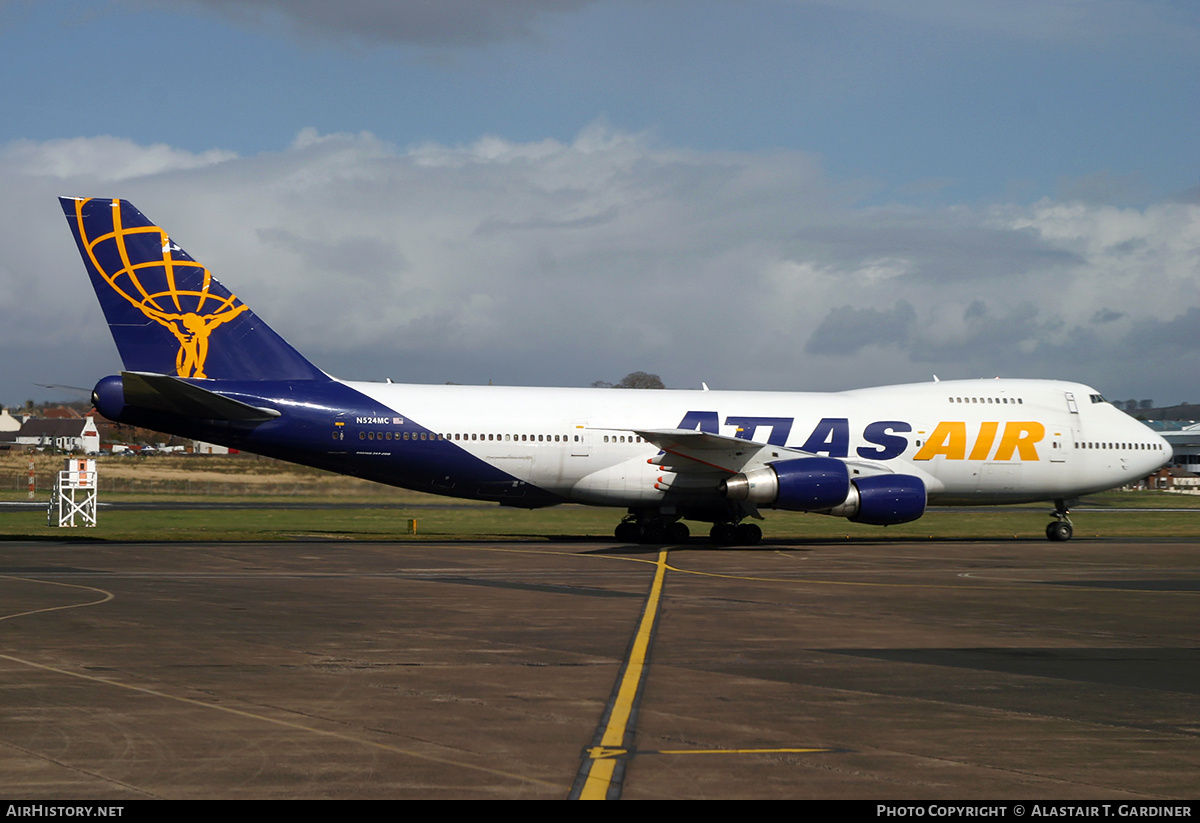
804,485
109,397
884,500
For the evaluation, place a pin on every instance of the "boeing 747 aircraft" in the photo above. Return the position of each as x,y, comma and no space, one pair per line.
200,363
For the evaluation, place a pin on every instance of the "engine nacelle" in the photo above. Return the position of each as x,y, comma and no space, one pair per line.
109,397
883,500
804,485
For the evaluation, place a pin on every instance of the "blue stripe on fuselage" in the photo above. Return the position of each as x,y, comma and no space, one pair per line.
307,432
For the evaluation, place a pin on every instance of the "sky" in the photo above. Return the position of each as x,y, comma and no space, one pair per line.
809,195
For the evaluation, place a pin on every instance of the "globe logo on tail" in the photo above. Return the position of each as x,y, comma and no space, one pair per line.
166,286
191,328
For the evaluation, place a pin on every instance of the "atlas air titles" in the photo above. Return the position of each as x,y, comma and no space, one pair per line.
886,439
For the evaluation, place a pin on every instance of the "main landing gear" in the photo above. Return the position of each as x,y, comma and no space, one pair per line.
665,530
735,534
1060,529
652,530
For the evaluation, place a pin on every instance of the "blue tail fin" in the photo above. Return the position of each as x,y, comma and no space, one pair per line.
167,314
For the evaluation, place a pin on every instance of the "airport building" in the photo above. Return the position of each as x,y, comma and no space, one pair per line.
1184,437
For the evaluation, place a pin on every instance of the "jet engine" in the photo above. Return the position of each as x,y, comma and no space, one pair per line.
823,484
109,397
803,485
883,500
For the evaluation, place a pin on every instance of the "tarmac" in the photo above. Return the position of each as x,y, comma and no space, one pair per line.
881,669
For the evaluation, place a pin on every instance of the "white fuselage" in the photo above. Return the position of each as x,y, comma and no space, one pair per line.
970,441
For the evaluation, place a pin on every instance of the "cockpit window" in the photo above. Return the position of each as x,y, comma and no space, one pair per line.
1096,398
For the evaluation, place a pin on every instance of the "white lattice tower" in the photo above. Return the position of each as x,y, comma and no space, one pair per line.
74,494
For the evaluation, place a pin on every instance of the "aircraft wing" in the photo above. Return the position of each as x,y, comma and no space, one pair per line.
164,393
688,451
696,452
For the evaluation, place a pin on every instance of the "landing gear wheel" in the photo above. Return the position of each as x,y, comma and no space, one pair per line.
653,532
749,534
1059,531
723,534
678,532
628,532
1060,528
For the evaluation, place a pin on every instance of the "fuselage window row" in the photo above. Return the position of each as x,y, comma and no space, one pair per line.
1002,400
522,438
1126,446
373,435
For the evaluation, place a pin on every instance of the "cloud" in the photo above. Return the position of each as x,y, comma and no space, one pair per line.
472,23
563,262
846,330
105,159
1179,336
437,24
1096,21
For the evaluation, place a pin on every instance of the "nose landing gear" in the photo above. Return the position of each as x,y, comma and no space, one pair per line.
1060,528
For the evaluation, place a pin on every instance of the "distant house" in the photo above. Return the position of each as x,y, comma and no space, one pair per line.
65,434
9,426
1172,478
8,423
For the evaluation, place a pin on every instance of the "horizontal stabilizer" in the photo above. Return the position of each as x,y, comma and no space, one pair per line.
163,393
